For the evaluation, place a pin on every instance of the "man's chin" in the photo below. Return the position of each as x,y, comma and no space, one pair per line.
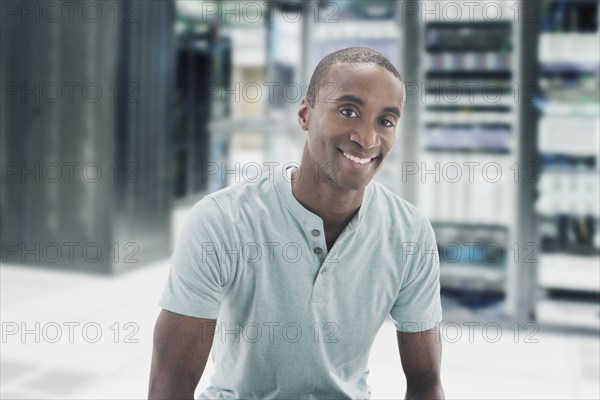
353,183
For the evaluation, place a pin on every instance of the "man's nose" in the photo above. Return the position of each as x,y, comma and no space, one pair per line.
366,136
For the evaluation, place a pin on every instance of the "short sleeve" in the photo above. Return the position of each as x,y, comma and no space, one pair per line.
197,271
418,305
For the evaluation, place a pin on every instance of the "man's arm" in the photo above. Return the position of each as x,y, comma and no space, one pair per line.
421,357
181,348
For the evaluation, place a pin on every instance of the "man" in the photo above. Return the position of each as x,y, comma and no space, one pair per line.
302,268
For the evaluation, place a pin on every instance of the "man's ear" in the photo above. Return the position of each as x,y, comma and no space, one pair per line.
304,114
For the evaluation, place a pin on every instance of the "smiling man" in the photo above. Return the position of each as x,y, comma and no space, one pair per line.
289,279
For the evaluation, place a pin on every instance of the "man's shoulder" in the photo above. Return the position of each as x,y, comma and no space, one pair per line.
397,210
244,195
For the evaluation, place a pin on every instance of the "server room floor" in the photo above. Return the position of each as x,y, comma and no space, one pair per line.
93,340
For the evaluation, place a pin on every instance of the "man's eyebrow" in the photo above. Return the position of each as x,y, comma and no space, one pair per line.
392,110
353,99
350,98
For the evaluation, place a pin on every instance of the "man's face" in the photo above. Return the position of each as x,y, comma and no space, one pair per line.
352,125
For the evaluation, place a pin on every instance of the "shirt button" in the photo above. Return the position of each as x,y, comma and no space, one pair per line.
315,232
323,270
318,250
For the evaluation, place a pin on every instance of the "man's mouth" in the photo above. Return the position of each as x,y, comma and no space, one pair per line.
357,159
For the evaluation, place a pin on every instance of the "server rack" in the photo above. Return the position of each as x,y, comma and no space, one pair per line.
97,196
567,200
202,80
469,145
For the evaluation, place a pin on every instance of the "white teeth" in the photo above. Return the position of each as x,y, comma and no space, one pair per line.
356,159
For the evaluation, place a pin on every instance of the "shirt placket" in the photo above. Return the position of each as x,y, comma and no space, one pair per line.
319,252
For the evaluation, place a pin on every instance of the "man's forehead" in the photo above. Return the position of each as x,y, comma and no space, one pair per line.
357,69
357,82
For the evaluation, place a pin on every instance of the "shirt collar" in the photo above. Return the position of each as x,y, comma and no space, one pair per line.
283,186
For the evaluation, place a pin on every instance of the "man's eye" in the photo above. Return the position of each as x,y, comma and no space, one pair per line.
349,113
386,122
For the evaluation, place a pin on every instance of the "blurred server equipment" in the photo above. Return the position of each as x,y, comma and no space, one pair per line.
86,136
469,146
568,145
202,83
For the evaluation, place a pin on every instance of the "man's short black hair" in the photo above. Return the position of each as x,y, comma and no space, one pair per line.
350,55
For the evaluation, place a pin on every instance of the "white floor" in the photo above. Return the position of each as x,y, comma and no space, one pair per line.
94,339
92,361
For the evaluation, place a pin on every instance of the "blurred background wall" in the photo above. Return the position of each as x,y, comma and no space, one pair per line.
117,116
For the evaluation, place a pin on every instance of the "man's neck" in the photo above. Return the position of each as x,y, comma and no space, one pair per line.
335,206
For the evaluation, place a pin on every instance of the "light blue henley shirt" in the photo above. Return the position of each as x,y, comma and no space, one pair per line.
294,319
